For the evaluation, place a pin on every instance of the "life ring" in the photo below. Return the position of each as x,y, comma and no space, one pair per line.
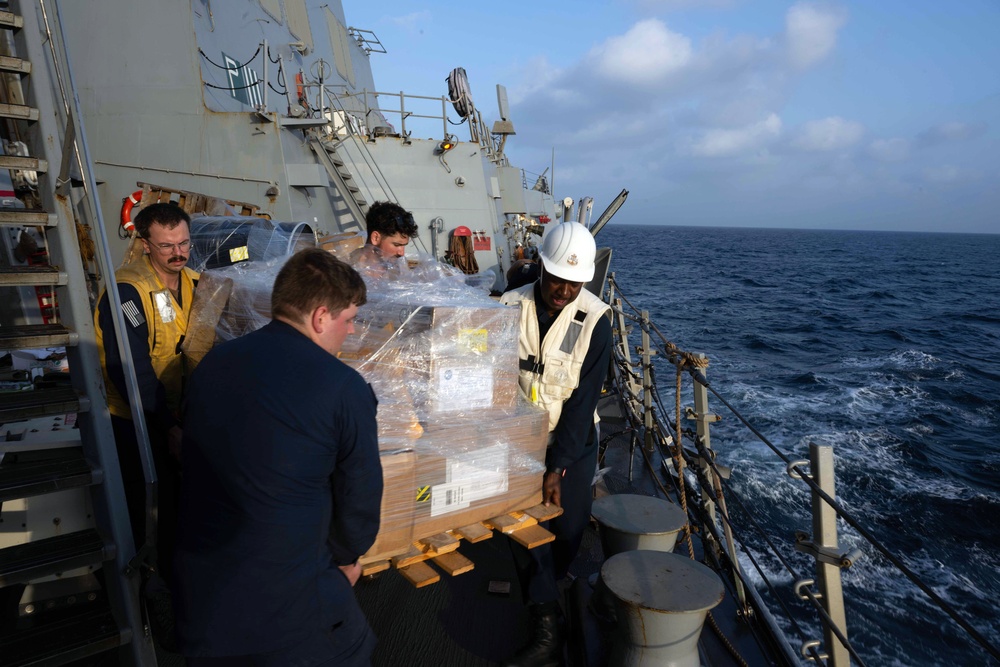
126,215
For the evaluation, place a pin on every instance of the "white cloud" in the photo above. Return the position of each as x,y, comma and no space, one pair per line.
722,142
647,53
948,132
948,174
811,31
889,150
828,134
413,22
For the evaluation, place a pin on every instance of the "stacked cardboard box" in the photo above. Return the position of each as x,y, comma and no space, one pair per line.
458,445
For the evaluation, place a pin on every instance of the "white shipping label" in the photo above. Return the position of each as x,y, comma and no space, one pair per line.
464,388
483,472
448,498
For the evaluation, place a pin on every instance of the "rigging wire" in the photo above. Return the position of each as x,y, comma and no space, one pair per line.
226,67
679,357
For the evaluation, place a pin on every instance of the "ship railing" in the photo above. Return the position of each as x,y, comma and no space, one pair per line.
651,427
415,113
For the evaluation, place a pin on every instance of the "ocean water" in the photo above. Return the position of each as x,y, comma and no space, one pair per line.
884,345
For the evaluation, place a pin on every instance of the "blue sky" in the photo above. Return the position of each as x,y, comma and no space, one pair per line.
875,115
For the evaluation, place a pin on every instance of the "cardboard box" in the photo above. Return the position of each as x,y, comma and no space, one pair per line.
437,361
476,469
210,301
461,472
342,245
397,518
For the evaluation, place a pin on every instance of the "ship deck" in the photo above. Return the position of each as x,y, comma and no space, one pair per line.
459,622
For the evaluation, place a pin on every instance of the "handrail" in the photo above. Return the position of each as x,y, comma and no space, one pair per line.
687,361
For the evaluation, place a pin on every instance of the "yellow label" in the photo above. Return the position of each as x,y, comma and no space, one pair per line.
239,254
534,391
423,494
475,340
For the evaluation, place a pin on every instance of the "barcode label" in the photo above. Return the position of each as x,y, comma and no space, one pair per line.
448,498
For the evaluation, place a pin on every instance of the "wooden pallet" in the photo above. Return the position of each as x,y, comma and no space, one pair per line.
442,549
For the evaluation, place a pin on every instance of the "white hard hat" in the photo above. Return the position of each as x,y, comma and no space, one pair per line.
568,252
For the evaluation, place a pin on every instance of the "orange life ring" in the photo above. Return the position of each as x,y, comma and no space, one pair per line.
127,204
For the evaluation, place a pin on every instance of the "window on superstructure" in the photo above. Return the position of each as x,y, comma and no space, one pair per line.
298,21
272,8
341,47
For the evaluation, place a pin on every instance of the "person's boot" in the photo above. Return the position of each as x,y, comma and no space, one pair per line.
545,647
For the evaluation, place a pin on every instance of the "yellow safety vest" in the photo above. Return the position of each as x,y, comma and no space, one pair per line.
167,322
549,376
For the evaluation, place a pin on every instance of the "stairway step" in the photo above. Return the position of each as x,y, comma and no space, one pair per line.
11,20
353,189
35,478
20,405
32,336
28,218
362,202
90,630
23,162
22,563
32,275
18,112
16,65
337,162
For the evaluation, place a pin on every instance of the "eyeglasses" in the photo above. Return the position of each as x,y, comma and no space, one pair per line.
167,248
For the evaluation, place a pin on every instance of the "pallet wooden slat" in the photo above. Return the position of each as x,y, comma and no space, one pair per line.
411,556
375,567
532,536
441,543
454,563
420,574
542,513
442,548
508,523
474,532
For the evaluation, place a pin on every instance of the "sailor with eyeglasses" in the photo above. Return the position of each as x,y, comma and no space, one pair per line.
156,291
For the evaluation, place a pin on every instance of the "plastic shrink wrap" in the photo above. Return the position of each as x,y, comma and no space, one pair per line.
457,443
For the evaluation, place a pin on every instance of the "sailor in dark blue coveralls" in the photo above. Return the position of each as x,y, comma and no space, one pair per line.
564,348
282,485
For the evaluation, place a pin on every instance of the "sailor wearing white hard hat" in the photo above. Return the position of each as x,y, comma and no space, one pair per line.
564,350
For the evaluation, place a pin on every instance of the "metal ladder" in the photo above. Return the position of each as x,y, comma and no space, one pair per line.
342,177
68,627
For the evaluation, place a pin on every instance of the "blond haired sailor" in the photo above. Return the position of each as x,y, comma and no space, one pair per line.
564,349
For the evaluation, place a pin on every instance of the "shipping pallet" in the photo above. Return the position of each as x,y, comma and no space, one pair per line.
442,549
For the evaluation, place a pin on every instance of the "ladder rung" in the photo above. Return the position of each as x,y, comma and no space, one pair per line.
21,563
11,20
34,478
22,162
21,405
346,175
16,65
353,189
59,641
32,275
31,336
361,201
27,218
18,111
337,162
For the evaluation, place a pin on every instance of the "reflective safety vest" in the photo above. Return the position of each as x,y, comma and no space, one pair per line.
167,322
549,376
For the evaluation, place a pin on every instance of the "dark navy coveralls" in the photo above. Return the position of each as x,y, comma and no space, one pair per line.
281,484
